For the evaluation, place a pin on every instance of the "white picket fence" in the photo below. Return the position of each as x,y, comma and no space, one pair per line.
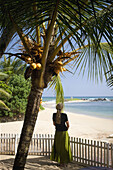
88,152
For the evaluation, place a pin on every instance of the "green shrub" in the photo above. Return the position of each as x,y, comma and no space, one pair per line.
20,89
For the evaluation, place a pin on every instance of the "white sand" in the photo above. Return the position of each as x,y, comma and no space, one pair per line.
81,126
36,163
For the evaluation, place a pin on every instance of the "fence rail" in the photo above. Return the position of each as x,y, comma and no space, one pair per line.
88,152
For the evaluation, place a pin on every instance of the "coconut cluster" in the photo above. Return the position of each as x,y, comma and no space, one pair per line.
35,55
34,60
58,66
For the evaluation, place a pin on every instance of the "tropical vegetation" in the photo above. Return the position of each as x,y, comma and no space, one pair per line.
19,88
14,69
54,33
4,93
14,83
12,66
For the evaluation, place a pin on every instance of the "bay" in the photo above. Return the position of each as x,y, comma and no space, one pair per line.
92,105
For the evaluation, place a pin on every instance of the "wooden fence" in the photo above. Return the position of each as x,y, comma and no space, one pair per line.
88,152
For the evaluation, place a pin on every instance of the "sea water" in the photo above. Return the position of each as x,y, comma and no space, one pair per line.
98,108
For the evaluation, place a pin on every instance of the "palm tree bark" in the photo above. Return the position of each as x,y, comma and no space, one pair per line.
28,127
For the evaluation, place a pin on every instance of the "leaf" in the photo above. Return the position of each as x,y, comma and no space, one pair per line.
3,106
3,76
3,93
96,60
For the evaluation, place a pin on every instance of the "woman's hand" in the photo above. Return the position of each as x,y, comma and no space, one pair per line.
67,124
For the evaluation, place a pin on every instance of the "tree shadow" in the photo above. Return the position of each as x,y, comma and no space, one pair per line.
40,163
32,163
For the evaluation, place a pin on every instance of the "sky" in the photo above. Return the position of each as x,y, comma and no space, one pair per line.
74,85
77,85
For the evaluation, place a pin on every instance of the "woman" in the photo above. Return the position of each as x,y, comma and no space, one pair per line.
61,151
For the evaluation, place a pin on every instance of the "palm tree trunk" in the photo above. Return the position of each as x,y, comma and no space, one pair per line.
28,127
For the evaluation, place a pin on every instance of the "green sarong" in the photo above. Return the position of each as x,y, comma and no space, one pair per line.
61,151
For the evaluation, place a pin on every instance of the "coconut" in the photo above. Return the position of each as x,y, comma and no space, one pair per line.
38,66
28,60
33,66
40,55
60,63
41,101
64,69
40,51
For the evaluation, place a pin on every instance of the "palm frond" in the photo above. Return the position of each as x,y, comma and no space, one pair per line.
3,106
3,76
110,78
96,61
57,85
59,90
110,81
78,23
3,93
12,66
72,15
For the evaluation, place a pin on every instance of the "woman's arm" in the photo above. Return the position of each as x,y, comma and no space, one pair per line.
53,123
67,124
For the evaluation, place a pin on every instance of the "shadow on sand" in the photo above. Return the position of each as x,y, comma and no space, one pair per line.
44,163
38,162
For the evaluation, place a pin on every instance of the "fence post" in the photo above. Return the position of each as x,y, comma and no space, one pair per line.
15,148
107,154
112,155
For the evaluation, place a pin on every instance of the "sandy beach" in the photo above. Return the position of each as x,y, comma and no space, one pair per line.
37,162
81,126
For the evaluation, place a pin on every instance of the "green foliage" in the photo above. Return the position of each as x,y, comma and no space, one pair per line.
4,93
15,66
77,22
5,87
3,76
96,64
72,99
56,84
59,90
41,107
20,89
3,106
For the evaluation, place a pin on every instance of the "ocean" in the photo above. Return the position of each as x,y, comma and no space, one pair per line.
98,106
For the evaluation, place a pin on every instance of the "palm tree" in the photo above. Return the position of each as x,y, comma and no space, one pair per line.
55,33
15,66
3,94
